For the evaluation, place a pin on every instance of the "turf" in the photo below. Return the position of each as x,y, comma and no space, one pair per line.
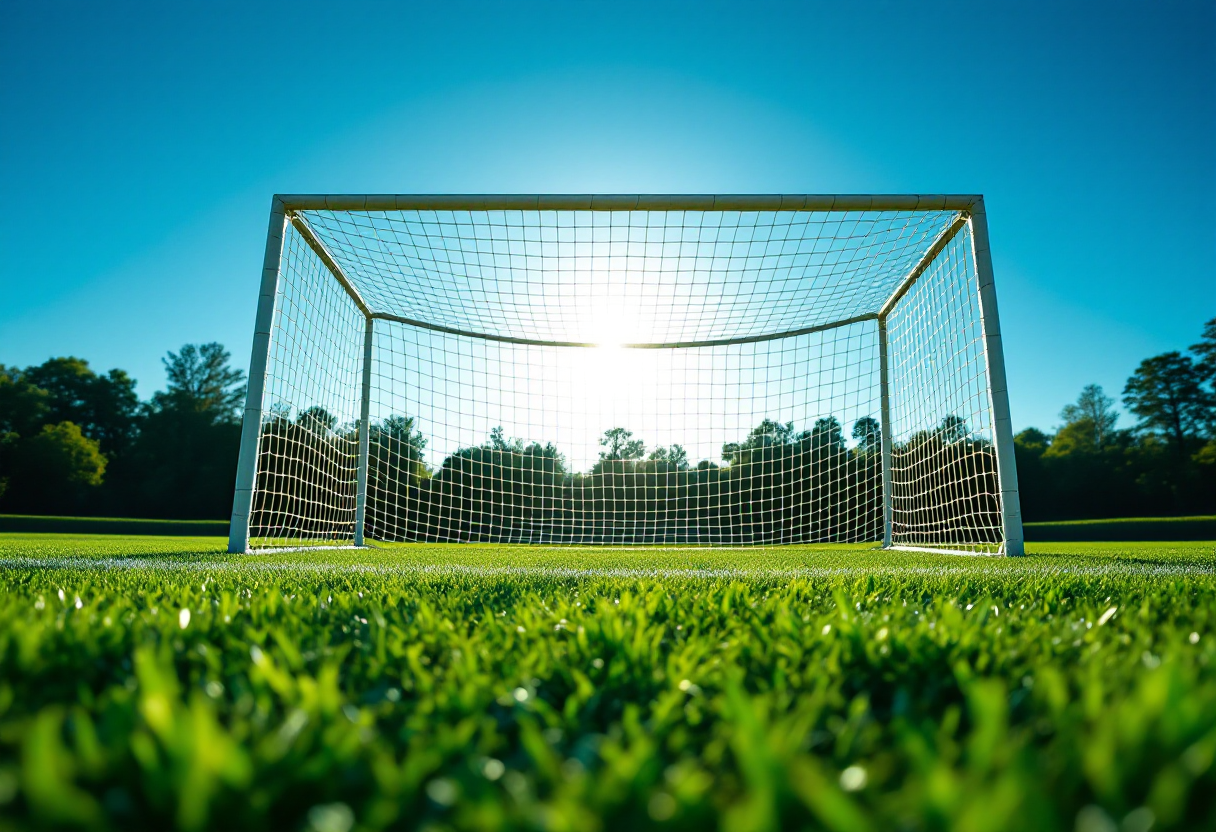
152,683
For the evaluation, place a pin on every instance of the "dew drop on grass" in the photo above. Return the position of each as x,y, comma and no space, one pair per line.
597,663
183,619
1193,638
520,694
1094,819
1106,616
8,787
661,806
853,779
493,769
1138,820
443,791
827,628
331,817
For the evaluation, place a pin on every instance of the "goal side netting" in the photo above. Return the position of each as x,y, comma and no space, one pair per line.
659,376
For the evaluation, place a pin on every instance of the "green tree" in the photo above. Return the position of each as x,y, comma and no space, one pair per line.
54,471
317,420
500,442
826,433
1205,353
1166,392
1205,365
105,407
1089,423
183,463
867,432
953,430
675,456
767,434
400,429
620,445
545,457
1035,486
24,406
201,381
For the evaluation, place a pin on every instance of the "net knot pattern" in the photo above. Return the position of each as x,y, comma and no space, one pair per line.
672,376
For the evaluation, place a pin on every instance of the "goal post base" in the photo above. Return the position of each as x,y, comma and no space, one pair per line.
934,550
278,550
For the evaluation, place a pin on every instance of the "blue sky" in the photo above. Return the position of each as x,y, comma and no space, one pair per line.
139,147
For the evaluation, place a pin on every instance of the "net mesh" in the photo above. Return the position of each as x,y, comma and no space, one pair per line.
626,377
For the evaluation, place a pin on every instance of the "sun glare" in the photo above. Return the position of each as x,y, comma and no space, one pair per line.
607,321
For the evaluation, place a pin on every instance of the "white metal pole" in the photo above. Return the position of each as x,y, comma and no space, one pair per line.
884,379
998,387
251,425
629,202
364,434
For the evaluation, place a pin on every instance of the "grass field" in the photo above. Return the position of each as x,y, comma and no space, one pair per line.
153,683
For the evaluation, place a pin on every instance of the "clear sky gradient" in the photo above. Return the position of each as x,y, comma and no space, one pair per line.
139,147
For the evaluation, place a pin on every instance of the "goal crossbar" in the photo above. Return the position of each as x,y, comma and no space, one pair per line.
629,202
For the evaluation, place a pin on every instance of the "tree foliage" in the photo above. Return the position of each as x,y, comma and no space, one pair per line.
201,381
1205,353
1165,464
619,444
65,426
24,406
674,456
1166,392
56,470
868,434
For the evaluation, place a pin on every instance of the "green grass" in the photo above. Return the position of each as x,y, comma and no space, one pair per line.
483,687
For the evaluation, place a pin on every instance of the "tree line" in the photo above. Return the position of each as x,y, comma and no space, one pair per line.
74,441
776,485
1164,464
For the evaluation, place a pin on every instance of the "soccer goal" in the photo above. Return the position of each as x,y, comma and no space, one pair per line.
716,370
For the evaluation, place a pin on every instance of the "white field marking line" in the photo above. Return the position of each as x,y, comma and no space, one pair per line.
1115,569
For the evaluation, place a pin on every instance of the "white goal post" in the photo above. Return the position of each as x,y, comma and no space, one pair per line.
646,369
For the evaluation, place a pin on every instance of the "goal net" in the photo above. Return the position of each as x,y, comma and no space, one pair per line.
627,370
